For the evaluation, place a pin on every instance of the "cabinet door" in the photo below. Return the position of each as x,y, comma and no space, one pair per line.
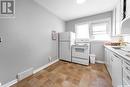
127,8
105,56
65,51
118,17
116,71
108,60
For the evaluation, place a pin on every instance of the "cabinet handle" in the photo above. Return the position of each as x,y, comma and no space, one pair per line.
128,77
127,63
127,68
116,56
111,59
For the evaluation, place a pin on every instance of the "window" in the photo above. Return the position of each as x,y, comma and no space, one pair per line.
100,31
95,30
82,31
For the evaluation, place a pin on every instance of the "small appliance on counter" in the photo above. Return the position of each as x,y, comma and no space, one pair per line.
81,51
117,41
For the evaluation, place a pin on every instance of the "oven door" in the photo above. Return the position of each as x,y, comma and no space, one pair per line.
80,52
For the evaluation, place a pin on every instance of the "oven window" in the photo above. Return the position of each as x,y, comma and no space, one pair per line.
81,50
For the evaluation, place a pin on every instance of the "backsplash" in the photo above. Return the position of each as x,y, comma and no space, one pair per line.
127,39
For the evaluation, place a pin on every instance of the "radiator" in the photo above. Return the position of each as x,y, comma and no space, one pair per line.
24,74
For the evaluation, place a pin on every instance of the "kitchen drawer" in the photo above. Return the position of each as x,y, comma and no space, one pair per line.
126,78
125,83
80,61
126,66
80,55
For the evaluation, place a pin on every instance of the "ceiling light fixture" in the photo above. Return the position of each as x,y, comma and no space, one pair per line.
80,1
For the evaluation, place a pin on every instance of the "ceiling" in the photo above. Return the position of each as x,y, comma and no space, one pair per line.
69,9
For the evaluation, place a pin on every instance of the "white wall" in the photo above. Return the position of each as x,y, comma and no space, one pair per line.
70,25
26,39
96,46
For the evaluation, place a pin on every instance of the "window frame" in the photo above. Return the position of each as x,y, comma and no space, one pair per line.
107,21
90,23
82,24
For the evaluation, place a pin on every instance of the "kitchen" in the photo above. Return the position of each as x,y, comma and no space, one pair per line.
65,43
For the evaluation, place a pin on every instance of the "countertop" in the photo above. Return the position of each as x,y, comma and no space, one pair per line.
120,52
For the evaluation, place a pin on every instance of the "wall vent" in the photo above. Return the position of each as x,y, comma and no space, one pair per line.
24,74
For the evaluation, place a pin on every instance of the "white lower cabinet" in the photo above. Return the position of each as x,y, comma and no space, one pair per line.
118,67
108,60
126,79
126,73
116,70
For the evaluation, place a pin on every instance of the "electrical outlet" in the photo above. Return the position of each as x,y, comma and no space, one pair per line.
50,59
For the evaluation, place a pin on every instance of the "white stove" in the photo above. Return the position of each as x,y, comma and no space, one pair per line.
80,53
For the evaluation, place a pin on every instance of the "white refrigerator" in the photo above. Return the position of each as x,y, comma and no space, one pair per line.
66,40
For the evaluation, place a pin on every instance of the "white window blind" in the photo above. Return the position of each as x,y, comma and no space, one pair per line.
82,31
95,30
100,31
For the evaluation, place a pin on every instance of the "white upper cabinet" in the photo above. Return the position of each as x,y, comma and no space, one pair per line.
127,8
121,11
117,19
125,29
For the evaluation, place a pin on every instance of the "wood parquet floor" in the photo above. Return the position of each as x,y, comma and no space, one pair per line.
65,74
